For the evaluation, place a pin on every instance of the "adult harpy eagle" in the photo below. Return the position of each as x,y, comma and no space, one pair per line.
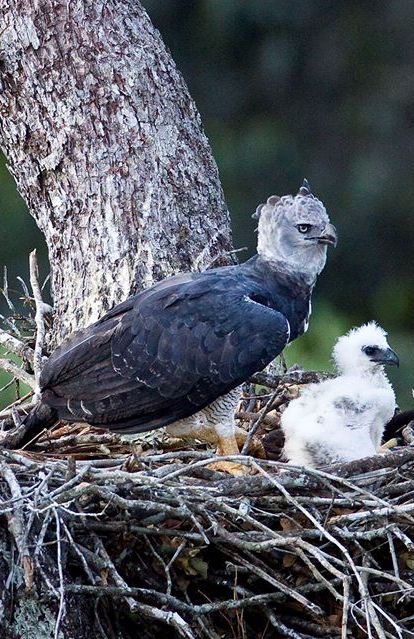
187,342
343,419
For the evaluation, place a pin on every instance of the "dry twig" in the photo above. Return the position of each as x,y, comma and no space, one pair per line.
11,367
41,309
16,346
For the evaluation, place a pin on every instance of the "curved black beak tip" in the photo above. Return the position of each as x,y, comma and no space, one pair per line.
330,236
391,358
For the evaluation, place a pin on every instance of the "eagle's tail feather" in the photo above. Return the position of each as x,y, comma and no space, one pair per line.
395,425
40,417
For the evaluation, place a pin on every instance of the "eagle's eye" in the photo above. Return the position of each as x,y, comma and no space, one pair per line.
370,350
303,228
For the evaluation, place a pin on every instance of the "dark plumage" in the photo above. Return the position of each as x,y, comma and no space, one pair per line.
395,426
171,350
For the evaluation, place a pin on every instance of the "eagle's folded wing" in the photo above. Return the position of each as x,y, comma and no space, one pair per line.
167,355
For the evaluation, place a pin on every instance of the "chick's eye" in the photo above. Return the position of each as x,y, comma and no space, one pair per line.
303,228
370,350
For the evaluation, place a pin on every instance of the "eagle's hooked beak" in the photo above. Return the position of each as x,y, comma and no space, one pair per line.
329,236
386,356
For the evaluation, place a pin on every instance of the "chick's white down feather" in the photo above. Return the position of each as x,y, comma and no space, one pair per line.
342,419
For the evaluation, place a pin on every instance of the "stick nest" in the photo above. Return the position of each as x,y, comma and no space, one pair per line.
146,531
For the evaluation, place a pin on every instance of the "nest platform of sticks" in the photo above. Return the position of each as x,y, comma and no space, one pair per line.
155,542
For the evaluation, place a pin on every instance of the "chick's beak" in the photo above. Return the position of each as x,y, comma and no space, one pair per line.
387,356
329,235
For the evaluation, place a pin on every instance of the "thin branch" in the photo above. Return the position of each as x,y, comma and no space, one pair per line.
16,346
255,425
16,523
41,308
62,606
24,287
10,367
5,290
393,555
345,607
290,377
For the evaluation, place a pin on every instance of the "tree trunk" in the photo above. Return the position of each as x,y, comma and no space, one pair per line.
108,151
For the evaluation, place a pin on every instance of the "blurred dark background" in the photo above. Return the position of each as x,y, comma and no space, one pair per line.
287,89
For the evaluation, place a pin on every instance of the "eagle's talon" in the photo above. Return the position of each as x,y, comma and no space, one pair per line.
233,468
256,447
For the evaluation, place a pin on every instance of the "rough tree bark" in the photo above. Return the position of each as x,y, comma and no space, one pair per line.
107,149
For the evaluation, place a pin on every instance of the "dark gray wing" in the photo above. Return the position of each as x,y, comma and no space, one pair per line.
175,350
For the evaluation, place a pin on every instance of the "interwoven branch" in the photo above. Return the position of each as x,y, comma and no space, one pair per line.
249,549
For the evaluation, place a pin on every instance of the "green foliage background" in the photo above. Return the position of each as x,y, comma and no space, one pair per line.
295,88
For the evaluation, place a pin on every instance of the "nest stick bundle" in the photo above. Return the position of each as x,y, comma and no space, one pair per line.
177,549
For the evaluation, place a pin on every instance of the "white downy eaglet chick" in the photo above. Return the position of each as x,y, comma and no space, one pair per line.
343,419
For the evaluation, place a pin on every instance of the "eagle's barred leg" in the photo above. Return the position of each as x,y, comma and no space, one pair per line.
215,425
219,416
193,428
221,436
229,444
226,439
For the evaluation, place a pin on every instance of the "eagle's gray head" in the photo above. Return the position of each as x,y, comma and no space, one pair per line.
295,231
363,349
